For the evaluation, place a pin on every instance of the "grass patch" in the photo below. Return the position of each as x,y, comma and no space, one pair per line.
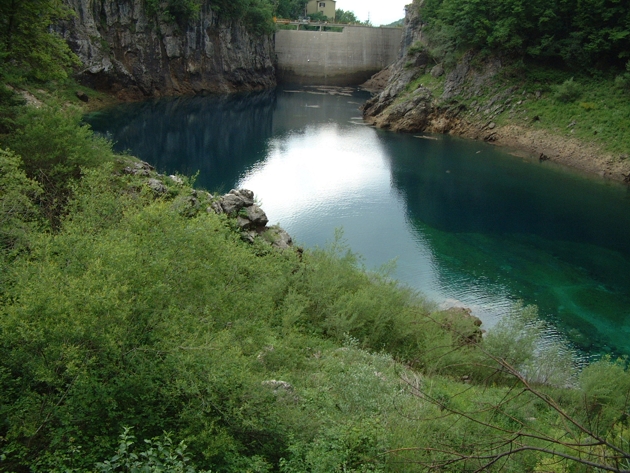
603,117
590,109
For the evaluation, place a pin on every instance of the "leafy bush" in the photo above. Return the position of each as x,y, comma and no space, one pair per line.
160,455
54,148
352,448
19,214
10,105
622,81
257,15
416,48
180,11
568,91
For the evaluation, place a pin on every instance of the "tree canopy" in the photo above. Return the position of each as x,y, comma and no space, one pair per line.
344,16
291,9
27,45
578,32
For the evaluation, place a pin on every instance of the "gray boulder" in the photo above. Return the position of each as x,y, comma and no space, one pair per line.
279,237
256,215
437,70
157,186
245,194
231,204
235,200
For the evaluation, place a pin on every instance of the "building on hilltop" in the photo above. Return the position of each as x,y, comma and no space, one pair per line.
327,7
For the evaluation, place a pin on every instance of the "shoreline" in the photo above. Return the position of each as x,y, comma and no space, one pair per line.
569,152
421,112
565,151
543,145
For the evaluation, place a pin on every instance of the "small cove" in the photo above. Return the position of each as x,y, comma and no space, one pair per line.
466,223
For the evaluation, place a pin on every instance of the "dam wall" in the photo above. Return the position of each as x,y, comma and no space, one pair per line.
349,57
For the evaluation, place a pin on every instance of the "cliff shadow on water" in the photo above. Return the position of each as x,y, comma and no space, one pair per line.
218,136
538,233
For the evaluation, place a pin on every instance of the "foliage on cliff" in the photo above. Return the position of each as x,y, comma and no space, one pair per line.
591,33
256,14
26,45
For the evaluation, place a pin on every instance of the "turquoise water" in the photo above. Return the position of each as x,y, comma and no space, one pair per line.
466,223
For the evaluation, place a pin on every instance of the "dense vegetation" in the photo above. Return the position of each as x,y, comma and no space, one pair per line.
140,314
26,47
138,332
292,9
568,61
579,33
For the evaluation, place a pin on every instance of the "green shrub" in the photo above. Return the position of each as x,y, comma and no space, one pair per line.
160,455
568,91
622,81
351,447
55,147
416,48
10,104
19,214
588,106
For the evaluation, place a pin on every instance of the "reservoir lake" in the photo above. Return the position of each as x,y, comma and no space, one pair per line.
466,223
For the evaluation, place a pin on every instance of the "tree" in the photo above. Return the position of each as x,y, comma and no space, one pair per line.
292,9
256,14
343,16
26,44
578,32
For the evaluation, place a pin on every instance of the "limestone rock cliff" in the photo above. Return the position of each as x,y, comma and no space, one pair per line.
126,51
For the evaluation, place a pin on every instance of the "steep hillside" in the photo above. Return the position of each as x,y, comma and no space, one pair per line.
129,50
495,98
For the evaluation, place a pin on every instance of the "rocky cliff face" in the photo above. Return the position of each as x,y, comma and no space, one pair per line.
126,51
403,105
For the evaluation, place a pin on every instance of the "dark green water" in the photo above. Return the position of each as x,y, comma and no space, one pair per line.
467,223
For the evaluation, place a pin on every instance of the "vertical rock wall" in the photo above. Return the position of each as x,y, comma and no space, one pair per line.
126,51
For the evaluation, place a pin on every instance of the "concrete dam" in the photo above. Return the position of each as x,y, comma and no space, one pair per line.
349,57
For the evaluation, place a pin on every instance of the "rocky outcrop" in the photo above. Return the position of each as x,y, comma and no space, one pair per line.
462,323
126,51
250,218
238,205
